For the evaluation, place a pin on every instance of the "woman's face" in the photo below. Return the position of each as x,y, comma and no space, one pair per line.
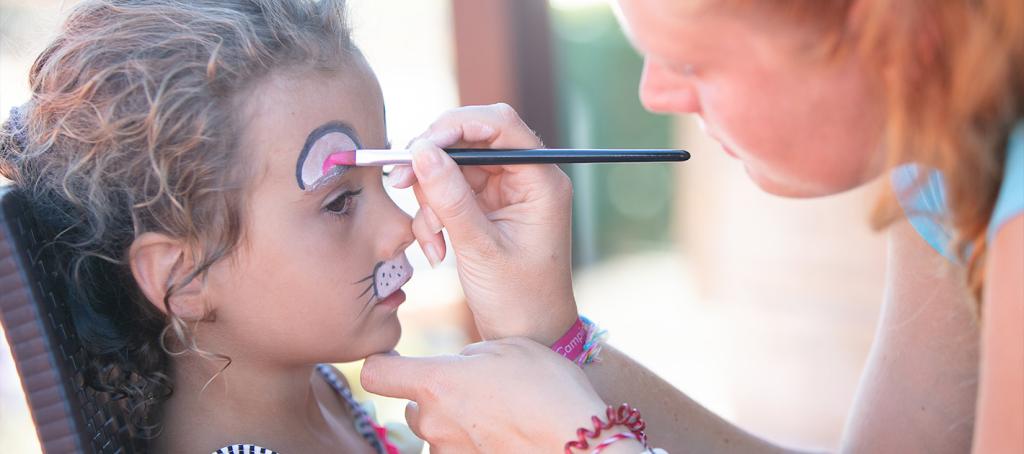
317,275
801,125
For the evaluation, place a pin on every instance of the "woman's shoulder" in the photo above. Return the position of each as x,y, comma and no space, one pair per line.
1011,194
922,194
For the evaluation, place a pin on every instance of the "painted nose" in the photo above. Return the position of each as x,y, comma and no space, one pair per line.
664,91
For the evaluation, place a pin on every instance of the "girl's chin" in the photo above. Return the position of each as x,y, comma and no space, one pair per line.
386,336
381,338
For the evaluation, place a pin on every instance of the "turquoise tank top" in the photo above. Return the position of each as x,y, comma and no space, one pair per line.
925,205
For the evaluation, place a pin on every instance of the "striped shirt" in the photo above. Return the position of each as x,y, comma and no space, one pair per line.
375,435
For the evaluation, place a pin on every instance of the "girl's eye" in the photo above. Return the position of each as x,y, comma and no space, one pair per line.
343,204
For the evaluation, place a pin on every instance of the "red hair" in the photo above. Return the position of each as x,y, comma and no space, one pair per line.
953,80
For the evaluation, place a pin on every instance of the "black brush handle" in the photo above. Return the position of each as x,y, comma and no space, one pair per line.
479,156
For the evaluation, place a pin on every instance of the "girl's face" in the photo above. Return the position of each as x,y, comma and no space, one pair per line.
802,127
317,275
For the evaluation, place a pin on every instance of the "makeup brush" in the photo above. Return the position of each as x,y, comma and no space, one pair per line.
478,156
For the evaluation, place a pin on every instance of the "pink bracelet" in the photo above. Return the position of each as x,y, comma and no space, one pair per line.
612,440
571,344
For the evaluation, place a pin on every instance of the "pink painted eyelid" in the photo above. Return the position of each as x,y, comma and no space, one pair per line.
340,158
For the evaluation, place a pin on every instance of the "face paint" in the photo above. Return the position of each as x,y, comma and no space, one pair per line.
314,166
388,277
391,275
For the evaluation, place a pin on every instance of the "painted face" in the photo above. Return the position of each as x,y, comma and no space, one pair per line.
801,126
315,165
318,275
388,278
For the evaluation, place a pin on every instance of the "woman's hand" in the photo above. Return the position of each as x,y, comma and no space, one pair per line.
509,395
509,225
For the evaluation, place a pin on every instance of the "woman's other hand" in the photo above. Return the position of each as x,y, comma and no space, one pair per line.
509,395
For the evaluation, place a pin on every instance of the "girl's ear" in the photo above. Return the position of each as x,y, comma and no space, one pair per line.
159,262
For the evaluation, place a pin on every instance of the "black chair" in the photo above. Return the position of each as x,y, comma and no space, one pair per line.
69,418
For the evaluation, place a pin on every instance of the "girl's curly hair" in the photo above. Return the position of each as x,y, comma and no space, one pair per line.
132,127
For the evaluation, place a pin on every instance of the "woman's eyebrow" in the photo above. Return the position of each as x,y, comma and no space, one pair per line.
315,136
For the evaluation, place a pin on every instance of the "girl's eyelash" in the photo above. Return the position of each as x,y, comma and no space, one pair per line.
346,199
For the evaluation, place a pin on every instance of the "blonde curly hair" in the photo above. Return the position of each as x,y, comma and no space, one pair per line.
132,128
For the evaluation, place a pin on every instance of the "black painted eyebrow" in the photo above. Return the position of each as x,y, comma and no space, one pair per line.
324,129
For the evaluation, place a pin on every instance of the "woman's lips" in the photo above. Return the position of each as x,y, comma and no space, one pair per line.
729,151
720,143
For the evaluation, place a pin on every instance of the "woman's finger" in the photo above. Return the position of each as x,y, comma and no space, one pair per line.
429,237
401,177
429,217
447,192
412,418
497,125
415,419
475,348
494,347
404,377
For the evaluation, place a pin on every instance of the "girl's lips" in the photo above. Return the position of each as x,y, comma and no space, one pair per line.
396,299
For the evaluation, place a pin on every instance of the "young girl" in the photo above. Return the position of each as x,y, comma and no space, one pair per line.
218,259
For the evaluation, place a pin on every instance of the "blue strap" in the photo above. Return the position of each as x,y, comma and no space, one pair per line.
923,198
924,202
1011,195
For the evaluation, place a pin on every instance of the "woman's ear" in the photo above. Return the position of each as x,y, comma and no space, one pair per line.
159,262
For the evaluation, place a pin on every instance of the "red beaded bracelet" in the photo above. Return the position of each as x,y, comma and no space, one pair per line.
624,415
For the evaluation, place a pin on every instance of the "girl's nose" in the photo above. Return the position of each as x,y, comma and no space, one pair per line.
395,234
664,91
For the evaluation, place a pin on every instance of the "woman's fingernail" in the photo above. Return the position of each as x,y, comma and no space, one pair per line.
426,159
432,256
480,131
398,177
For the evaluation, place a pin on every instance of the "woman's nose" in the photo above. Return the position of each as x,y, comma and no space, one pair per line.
663,91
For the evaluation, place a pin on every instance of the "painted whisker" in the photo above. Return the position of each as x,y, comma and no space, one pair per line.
368,288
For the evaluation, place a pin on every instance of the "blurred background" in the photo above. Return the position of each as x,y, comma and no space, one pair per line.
760,308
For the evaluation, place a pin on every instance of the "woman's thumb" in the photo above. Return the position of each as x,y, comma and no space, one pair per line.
446,191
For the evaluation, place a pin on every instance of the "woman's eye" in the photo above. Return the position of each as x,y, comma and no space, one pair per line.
343,203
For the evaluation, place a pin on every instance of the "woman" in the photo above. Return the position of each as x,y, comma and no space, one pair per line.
814,98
